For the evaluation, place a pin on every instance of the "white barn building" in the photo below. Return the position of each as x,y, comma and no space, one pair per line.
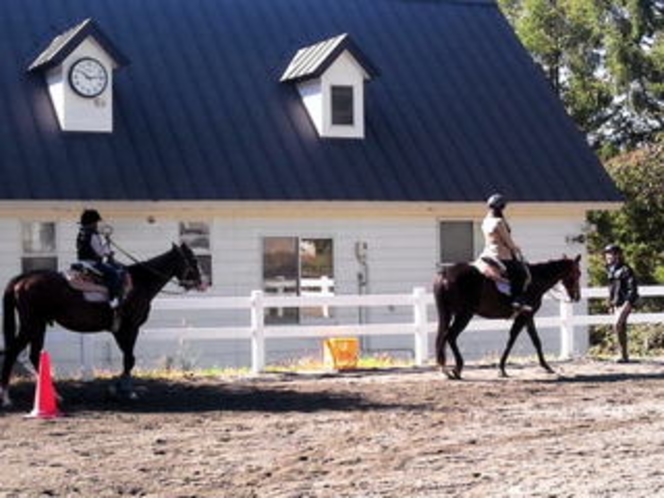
353,140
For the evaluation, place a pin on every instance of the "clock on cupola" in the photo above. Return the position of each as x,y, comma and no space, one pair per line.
78,67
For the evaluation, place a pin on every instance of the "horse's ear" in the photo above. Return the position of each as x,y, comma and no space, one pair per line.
578,258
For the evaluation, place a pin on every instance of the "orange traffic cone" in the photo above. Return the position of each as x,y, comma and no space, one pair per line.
45,403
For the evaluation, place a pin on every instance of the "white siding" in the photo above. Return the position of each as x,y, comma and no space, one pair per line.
402,254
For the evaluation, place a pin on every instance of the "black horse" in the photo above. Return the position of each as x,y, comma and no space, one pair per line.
40,298
461,292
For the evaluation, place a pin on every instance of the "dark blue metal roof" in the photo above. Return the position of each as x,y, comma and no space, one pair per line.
460,110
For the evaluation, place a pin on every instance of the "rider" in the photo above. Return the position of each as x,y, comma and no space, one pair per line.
500,250
94,249
623,293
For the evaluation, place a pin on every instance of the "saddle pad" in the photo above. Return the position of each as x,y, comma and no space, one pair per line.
490,272
91,291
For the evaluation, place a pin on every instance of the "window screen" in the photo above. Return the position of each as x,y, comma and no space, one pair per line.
342,105
456,241
39,251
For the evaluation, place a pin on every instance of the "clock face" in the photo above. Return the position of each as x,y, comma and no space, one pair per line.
88,77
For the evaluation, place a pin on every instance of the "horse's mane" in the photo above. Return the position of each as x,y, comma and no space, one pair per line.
148,264
550,268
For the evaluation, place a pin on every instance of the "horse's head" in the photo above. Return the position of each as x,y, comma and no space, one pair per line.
188,272
571,279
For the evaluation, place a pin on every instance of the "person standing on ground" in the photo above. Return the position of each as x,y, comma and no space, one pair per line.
623,294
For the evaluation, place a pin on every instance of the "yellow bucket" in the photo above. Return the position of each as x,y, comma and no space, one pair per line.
341,353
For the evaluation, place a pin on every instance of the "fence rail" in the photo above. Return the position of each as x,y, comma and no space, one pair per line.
420,328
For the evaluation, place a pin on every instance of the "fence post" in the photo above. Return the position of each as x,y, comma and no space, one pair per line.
257,332
566,330
87,356
420,323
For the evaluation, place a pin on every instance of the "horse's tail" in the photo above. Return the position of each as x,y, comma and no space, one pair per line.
8,313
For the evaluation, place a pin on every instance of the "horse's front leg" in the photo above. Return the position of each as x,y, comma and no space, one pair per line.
517,326
534,337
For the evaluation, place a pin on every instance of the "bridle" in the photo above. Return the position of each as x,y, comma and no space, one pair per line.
565,294
190,277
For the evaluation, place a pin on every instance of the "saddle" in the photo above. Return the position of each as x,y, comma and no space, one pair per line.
85,278
495,271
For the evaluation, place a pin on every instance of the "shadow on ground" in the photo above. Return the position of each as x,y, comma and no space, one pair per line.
194,395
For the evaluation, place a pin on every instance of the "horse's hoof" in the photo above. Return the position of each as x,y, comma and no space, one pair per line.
119,395
503,374
452,374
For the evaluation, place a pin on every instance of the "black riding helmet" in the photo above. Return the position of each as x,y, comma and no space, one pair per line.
496,201
90,216
612,248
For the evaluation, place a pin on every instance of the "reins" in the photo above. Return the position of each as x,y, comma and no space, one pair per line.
152,270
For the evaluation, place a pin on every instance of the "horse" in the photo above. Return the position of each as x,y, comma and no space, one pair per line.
41,297
462,291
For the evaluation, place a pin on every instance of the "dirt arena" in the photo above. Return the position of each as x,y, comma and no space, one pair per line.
594,429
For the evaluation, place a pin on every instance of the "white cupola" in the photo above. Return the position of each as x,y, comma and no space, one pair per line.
78,70
330,77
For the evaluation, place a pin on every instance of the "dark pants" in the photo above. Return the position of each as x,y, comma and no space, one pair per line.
113,276
517,276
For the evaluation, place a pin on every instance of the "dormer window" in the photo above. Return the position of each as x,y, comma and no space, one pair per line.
330,77
78,69
342,105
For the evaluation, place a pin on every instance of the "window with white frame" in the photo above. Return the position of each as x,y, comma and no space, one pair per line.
297,266
39,246
196,234
457,242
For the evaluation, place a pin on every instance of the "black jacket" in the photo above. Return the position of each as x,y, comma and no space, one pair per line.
84,250
622,284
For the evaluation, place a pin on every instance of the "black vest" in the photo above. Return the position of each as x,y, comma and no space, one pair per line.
84,250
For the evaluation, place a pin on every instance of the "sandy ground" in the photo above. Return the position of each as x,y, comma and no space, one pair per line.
594,429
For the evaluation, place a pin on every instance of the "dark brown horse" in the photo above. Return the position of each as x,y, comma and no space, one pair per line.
461,292
40,298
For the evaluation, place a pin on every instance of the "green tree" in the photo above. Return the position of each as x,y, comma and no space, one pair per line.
639,225
605,58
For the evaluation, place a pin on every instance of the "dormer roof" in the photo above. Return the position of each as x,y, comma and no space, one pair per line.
65,43
312,61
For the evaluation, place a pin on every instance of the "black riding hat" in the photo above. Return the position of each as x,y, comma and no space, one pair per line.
496,201
90,216
613,248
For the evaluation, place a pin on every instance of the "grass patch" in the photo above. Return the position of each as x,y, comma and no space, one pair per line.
642,341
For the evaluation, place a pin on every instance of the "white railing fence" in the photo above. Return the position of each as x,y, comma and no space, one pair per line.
419,300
